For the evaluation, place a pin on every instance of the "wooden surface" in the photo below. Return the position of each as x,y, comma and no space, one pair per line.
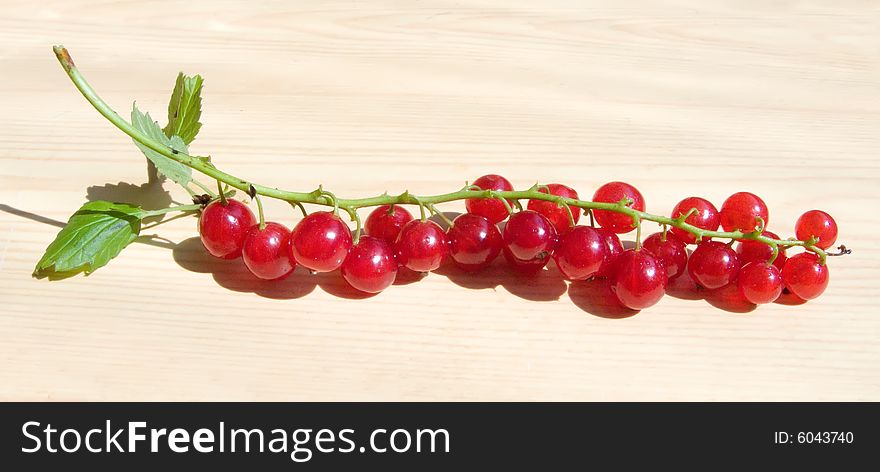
691,97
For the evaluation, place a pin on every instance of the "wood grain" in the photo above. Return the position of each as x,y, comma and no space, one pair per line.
690,97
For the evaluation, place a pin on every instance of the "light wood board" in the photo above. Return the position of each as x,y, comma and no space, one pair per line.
680,98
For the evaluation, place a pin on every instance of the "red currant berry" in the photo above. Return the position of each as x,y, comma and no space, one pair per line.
579,253
385,222
804,276
421,246
223,228
614,192
640,279
613,249
706,217
266,252
748,250
529,235
370,266
741,211
670,251
556,214
527,267
759,283
474,242
320,242
490,208
713,264
818,224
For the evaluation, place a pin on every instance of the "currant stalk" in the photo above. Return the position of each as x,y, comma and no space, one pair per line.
322,197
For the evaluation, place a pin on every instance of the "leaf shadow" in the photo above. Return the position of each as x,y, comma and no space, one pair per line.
31,216
149,196
151,240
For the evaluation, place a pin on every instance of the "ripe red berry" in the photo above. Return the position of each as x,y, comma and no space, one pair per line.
759,283
816,223
748,250
266,252
670,251
640,279
579,253
474,242
556,214
385,222
490,208
370,266
614,192
713,264
706,217
223,228
741,211
613,249
529,235
804,276
320,242
421,246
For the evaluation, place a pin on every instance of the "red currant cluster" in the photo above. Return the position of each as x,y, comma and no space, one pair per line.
323,242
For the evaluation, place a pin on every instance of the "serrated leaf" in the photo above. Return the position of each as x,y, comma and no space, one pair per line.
168,167
96,233
185,108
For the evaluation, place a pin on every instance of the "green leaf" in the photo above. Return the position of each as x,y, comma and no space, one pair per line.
166,166
96,233
185,108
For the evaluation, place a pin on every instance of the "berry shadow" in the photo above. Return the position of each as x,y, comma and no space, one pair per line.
545,285
488,278
334,284
406,276
233,275
595,297
788,298
627,244
728,298
684,288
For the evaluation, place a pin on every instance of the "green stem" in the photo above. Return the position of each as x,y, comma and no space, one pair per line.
322,197
358,225
222,193
302,209
638,224
503,201
440,215
774,255
166,220
162,211
261,216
